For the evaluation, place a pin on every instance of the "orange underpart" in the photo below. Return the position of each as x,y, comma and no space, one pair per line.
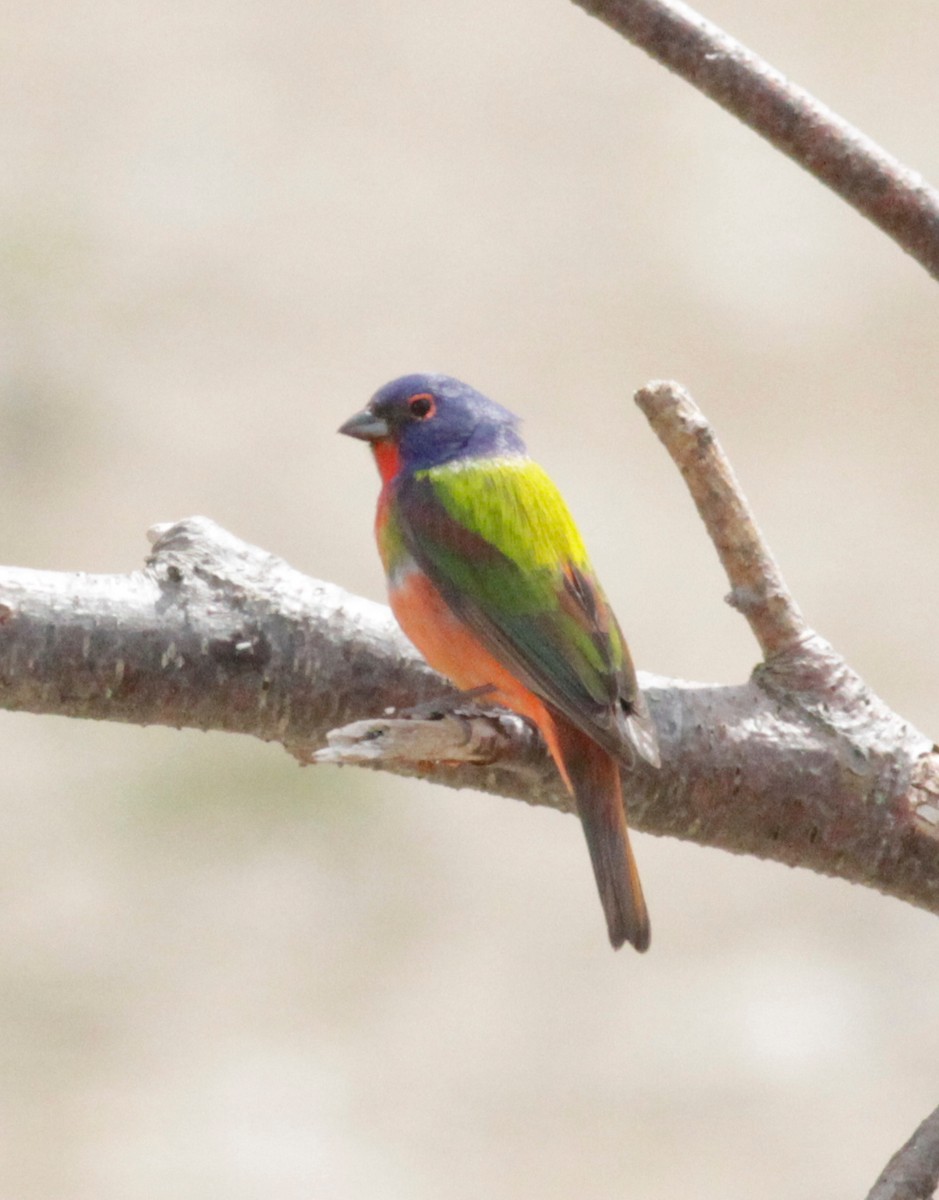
455,651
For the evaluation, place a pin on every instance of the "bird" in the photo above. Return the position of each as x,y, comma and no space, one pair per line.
489,578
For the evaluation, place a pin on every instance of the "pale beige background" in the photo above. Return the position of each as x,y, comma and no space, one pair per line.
222,225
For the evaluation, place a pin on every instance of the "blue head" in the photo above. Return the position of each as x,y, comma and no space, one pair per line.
425,420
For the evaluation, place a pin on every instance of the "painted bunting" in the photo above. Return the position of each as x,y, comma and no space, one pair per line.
489,578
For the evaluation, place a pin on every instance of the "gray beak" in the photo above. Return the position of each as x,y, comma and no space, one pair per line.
366,426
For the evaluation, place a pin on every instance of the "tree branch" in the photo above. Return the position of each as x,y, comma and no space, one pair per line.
913,1172
895,198
757,587
802,764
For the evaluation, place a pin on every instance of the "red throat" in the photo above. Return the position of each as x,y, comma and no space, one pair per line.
388,458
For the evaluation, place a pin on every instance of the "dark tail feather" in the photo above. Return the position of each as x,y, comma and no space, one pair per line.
595,780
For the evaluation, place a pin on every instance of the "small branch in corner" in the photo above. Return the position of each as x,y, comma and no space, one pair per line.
899,201
913,1172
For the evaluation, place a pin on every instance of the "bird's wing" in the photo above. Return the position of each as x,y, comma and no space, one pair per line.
496,539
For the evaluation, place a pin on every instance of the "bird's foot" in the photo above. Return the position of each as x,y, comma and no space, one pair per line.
441,706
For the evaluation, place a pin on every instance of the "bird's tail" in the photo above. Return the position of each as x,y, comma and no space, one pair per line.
594,778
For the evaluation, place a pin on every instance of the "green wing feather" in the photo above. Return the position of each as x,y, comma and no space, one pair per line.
498,542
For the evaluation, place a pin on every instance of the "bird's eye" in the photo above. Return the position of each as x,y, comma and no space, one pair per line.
422,406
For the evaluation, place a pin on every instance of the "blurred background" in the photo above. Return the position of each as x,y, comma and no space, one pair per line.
222,226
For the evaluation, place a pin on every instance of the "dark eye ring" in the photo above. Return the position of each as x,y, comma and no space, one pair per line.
422,406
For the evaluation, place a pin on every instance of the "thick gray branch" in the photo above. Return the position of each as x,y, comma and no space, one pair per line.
801,764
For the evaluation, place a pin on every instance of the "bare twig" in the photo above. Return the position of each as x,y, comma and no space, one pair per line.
757,586
895,198
913,1172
